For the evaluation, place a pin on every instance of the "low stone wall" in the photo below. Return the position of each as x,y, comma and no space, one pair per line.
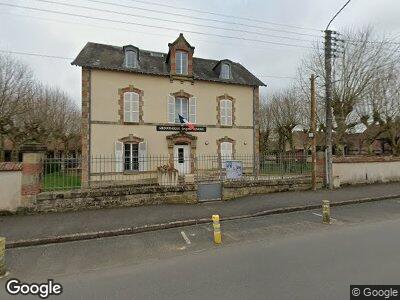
237,189
10,186
366,169
112,197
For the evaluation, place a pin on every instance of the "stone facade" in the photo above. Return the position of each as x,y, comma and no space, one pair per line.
126,196
113,197
256,129
85,126
232,190
31,185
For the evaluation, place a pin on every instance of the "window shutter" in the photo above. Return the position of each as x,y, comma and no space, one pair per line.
228,112
135,107
131,107
143,156
171,109
192,110
127,107
119,156
223,112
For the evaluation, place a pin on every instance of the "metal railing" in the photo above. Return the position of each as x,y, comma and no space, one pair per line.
106,171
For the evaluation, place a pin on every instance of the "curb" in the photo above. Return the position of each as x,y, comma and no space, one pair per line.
153,227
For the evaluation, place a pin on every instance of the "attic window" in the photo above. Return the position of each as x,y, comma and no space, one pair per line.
181,62
225,71
131,60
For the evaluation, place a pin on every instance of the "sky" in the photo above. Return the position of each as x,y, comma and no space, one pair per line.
255,40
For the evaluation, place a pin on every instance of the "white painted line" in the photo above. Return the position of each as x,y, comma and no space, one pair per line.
185,238
319,215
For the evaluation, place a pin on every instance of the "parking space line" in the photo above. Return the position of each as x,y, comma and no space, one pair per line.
319,215
185,238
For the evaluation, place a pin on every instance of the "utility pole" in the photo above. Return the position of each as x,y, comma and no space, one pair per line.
328,107
313,133
328,95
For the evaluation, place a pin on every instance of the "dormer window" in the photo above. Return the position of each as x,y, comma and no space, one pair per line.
131,58
181,59
225,71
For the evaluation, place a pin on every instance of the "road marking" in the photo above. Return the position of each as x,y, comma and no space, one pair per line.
319,215
185,238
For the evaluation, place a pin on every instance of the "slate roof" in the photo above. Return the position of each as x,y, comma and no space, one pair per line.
107,57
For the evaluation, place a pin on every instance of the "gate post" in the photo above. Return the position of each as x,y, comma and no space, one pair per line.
32,171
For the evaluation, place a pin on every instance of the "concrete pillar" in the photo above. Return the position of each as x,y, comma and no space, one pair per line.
32,171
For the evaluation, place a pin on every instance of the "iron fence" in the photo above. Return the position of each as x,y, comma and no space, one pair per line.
105,171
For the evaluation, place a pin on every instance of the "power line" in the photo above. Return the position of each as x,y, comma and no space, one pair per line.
277,77
135,31
170,21
153,26
200,18
36,54
224,15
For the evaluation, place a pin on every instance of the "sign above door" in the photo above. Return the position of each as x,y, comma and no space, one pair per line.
182,128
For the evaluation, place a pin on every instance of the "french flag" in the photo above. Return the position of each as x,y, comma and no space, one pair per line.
184,121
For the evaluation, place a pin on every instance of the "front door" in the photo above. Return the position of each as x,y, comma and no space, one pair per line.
182,159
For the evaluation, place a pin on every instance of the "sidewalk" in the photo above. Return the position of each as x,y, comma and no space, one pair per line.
16,228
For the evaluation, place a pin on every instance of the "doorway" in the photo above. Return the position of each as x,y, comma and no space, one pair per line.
182,159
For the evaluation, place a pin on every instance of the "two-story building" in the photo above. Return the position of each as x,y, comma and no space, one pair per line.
132,99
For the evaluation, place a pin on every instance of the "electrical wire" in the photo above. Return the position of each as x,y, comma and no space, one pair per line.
224,15
200,18
153,26
170,21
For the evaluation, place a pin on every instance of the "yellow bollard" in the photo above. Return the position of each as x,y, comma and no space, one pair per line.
326,212
2,256
217,229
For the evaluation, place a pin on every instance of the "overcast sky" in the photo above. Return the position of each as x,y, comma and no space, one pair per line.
64,35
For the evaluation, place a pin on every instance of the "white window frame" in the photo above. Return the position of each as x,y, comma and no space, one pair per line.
226,106
131,59
131,163
225,71
180,111
181,62
131,107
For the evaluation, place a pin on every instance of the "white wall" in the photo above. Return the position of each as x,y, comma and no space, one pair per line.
10,190
367,172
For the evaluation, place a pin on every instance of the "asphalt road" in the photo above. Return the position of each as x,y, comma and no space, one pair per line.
290,256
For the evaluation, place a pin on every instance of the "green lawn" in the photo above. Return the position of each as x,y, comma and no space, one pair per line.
61,181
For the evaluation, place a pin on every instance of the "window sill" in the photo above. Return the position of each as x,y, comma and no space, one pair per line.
131,123
133,172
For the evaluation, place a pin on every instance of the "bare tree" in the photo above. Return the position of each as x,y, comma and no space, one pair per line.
379,111
354,71
286,113
16,89
32,111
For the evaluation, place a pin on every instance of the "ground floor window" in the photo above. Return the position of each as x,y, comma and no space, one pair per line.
131,157
226,152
